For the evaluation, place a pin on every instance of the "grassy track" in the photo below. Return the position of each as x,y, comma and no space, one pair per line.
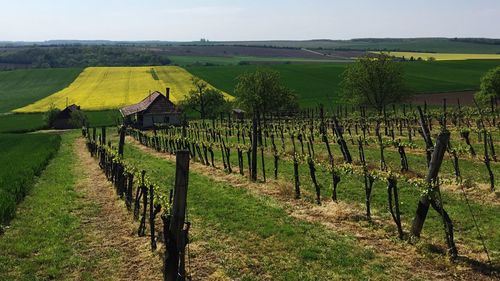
22,87
23,158
315,83
40,243
101,88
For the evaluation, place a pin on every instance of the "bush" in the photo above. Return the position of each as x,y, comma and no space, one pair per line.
50,116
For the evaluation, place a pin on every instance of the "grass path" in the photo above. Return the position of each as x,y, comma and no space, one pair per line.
72,227
112,246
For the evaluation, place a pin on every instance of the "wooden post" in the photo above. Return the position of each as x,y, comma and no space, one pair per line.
253,169
103,135
433,197
177,235
123,130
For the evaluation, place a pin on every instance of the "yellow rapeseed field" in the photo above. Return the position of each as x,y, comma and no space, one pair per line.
446,56
98,88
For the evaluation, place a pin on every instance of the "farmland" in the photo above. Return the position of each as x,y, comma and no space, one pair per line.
441,45
315,83
23,158
336,192
100,88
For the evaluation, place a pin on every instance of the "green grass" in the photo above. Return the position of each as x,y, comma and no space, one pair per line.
40,242
319,83
23,158
22,87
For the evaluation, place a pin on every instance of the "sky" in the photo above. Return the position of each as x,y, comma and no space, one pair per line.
225,20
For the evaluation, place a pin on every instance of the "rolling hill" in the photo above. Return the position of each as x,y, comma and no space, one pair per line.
101,88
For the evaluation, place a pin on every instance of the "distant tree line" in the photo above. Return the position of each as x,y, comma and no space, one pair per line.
82,56
487,41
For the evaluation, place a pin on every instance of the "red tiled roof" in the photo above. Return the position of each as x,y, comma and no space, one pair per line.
141,106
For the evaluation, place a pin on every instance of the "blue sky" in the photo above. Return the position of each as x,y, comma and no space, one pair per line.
36,20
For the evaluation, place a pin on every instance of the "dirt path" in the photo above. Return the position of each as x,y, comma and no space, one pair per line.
111,244
466,98
345,219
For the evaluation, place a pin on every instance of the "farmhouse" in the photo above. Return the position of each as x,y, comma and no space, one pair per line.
154,109
63,118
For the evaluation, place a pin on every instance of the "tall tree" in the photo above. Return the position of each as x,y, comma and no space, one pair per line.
490,85
374,81
263,92
209,102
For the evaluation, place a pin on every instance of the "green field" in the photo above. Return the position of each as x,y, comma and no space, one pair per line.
22,87
315,83
234,60
23,158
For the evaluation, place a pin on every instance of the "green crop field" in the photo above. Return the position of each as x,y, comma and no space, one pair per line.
315,83
234,60
22,87
23,158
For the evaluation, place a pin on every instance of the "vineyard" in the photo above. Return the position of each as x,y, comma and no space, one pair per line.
393,172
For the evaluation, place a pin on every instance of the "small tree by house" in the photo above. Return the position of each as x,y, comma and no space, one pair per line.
51,115
78,119
374,81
